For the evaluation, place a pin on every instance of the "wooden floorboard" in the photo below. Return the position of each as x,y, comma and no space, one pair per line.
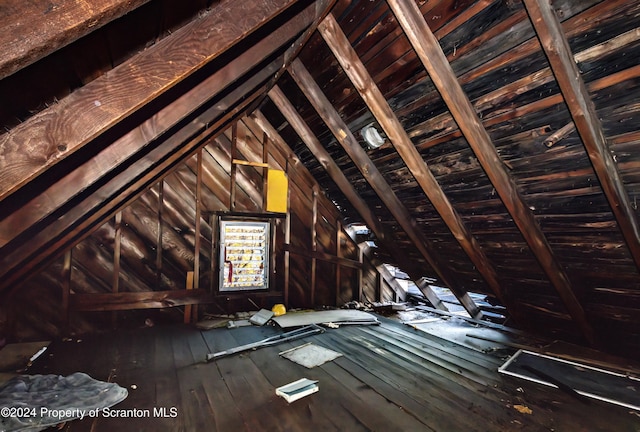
389,378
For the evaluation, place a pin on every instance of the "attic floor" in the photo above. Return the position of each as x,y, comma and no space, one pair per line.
390,378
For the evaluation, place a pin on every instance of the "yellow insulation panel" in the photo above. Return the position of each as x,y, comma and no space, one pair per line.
277,191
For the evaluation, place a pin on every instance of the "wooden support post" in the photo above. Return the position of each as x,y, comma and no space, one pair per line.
66,291
159,236
115,287
360,278
198,229
384,238
265,170
215,264
338,255
188,309
234,168
198,223
372,96
314,242
430,53
287,242
556,47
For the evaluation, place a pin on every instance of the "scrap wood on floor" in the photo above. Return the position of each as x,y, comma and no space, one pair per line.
334,316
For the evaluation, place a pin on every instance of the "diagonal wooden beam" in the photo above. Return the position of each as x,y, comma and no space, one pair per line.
323,157
386,241
378,183
52,237
138,139
430,53
53,135
32,30
556,46
362,81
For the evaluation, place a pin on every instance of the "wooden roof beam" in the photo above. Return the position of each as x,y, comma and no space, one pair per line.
556,47
311,141
297,123
20,259
430,53
379,107
368,169
49,137
33,30
84,175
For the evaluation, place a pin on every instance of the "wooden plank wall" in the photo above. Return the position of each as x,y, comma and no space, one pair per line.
138,260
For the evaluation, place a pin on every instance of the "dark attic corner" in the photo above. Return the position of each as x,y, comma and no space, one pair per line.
320,215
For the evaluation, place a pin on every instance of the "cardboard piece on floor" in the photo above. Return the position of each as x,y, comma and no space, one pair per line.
337,316
261,317
298,389
309,355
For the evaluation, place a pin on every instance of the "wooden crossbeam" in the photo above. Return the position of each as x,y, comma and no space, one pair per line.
556,47
430,53
362,81
137,300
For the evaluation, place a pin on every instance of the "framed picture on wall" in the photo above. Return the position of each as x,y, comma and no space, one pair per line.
244,255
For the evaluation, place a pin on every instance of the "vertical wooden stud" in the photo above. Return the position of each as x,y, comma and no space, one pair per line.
66,290
215,238
198,240
188,308
360,271
339,255
115,284
159,236
314,242
265,170
287,242
234,168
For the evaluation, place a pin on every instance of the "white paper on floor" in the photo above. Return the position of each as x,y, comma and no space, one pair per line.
309,355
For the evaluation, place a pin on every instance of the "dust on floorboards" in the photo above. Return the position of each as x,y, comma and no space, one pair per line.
390,378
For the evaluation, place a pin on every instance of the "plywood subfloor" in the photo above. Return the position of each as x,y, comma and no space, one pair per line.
390,378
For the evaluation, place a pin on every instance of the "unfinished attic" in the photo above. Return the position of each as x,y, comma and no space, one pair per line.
455,180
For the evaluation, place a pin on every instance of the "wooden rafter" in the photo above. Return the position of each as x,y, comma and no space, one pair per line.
137,139
106,166
78,221
556,46
368,169
336,174
323,157
33,30
54,134
362,81
430,53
